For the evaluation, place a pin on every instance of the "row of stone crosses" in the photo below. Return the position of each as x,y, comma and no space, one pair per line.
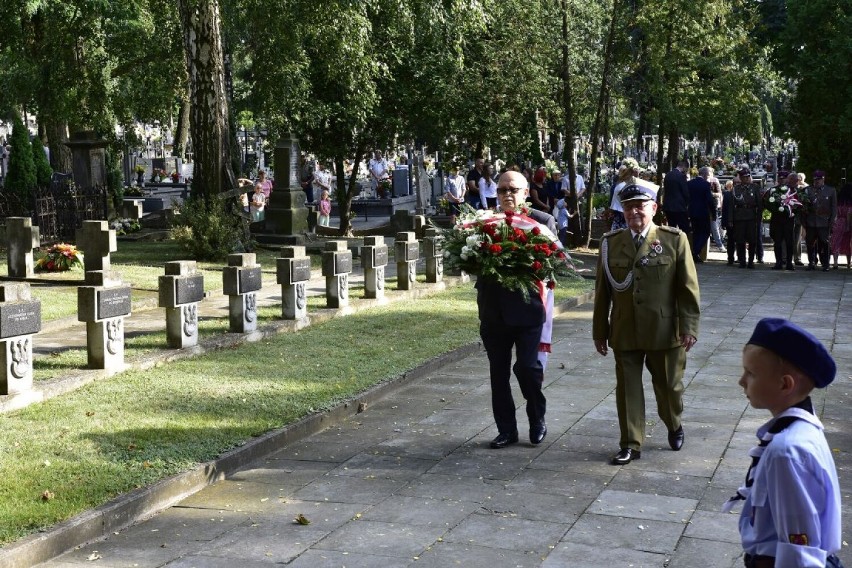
104,300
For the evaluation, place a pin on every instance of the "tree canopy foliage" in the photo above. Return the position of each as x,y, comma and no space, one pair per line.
462,76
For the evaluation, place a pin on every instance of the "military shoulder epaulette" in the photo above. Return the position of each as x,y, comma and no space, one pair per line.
613,232
674,230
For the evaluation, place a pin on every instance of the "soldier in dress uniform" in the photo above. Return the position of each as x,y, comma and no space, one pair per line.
744,216
782,225
647,310
819,219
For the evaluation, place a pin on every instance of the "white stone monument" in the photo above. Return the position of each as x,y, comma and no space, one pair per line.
293,271
374,259
21,238
97,241
103,303
181,290
336,266
241,280
407,251
20,319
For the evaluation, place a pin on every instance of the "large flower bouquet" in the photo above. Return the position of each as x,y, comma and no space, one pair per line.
509,247
782,199
60,258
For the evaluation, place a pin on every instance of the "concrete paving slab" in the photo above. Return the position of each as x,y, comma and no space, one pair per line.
454,487
418,511
714,526
643,506
383,539
511,533
449,554
336,559
700,553
588,556
625,534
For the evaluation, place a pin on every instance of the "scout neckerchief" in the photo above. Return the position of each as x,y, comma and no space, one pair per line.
802,411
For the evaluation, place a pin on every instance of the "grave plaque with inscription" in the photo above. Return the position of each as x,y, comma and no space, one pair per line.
20,318
113,302
251,280
189,289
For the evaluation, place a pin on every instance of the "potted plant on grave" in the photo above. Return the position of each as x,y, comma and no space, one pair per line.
139,170
175,177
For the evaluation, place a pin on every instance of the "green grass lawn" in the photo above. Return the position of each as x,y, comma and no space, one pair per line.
131,430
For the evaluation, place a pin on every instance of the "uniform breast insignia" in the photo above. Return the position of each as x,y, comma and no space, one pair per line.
668,229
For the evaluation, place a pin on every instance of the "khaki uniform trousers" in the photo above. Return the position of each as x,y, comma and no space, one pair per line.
666,367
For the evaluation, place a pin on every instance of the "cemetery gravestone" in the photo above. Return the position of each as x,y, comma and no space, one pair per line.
241,280
181,290
21,238
336,266
103,303
132,208
20,319
407,251
434,253
97,241
286,213
374,258
293,271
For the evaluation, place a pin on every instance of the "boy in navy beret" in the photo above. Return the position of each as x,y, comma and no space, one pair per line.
791,514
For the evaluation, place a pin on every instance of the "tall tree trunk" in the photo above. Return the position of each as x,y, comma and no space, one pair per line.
182,128
568,108
661,130
345,193
57,135
603,95
211,140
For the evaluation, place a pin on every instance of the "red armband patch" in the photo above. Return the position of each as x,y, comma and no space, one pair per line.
800,539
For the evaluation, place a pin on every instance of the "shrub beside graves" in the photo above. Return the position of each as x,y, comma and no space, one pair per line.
207,231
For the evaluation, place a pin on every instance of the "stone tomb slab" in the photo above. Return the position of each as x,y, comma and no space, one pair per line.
113,302
20,318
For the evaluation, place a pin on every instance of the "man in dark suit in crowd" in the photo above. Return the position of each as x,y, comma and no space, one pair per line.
506,321
647,311
702,211
676,197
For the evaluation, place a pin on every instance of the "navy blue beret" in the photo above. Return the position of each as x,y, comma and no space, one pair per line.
797,346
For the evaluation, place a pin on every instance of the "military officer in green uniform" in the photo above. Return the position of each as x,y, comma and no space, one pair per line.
646,310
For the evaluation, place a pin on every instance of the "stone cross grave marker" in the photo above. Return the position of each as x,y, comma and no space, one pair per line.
20,319
241,280
374,258
21,239
434,252
181,290
97,241
407,251
103,303
336,266
293,271
132,208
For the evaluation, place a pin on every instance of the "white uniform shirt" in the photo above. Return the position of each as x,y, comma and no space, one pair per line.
793,509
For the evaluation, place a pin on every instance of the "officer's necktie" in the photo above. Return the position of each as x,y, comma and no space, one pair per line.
637,240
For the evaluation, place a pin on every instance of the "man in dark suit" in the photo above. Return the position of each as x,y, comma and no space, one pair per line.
676,198
702,211
506,321
647,310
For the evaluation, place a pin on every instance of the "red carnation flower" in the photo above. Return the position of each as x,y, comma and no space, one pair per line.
536,265
554,246
551,284
495,249
508,219
561,255
536,231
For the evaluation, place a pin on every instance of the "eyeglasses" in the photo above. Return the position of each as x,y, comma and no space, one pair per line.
508,190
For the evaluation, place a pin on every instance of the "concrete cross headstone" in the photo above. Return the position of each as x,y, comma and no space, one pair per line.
241,280
132,208
293,272
97,241
181,290
103,303
21,239
336,266
20,319
374,258
407,251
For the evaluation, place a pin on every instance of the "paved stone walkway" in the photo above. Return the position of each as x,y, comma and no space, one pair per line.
411,481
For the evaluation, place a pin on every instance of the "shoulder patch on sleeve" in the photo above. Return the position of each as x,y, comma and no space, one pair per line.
800,539
666,228
615,232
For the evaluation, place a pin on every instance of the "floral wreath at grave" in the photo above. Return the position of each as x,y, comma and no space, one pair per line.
60,258
510,248
782,199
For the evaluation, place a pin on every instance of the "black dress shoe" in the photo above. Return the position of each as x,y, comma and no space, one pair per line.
791,267
503,440
676,439
751,265
825,269
537,433
625,456
799,263
777,267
